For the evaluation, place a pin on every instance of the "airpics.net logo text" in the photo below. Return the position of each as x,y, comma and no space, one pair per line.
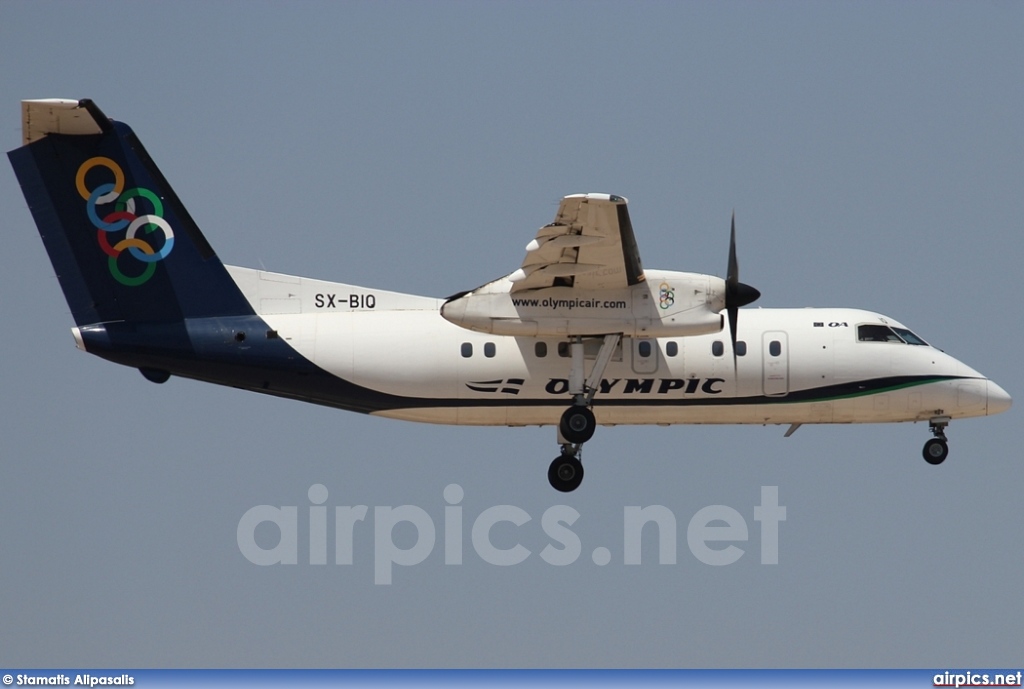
712,533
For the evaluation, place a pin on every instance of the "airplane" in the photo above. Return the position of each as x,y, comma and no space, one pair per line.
579,335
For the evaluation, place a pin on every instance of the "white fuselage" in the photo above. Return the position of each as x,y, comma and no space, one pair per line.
794,366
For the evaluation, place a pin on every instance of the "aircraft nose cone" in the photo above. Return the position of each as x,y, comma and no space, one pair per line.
998,399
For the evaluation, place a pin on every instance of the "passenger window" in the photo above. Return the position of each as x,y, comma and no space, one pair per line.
643,348
717,348
467,349
775,348
540,349
741,348
672,349
489,350
591,349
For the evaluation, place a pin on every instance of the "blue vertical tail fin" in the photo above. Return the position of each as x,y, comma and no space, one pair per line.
123,246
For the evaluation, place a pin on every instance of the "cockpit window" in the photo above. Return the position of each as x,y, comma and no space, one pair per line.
883,333
909,337
876,333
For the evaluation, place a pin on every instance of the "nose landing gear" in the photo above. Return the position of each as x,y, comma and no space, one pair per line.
937,449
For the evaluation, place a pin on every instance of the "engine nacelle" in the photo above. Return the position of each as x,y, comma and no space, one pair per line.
666,304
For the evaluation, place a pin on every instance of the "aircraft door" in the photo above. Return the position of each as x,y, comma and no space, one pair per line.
775,358
645,354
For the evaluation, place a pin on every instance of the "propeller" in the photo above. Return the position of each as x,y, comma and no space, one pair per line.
737,294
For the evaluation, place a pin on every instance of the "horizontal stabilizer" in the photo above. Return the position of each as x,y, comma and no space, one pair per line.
56,116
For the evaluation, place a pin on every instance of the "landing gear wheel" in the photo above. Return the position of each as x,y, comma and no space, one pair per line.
935,451
577,424
565,473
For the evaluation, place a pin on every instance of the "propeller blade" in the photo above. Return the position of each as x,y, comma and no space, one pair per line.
737,294
734,316
732,275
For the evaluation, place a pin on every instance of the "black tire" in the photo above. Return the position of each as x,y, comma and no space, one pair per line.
565,473
935,451
577,424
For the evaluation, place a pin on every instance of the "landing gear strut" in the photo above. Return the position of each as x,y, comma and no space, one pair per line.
578,424
937,449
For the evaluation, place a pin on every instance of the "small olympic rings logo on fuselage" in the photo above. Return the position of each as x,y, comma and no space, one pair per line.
125,217
666,295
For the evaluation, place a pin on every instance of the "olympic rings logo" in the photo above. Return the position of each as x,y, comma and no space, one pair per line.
125,216
666,296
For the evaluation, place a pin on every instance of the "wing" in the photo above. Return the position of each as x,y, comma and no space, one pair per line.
590,245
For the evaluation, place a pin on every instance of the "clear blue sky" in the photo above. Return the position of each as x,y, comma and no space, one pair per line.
873,153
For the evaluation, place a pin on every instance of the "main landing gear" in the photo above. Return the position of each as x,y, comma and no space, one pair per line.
937,449
578,424
566,471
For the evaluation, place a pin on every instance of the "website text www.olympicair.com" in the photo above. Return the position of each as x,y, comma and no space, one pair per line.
712,533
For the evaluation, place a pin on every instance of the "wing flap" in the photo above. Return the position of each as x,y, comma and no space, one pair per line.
590,245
